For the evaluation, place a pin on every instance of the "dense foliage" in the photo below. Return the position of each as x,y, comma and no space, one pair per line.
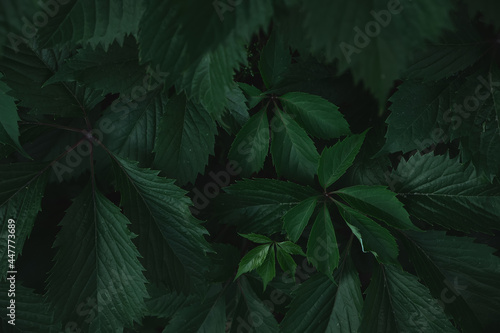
250,166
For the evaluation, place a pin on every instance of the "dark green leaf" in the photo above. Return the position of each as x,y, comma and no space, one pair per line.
318,116
335,161
294,154
296,219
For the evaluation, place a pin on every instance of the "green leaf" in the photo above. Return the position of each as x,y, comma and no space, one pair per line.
461,273
61,99
374,40
130,127
274,60
116,70
207,81
170,240
96,262
320,305
32,312
220,21
397,302
267,270
9,130
456,51
236,114
291,248
335,161
415,114
286,262
251,313
372,237
258,205
442,191
296,219
294,154
322,247
318,116
22,187
207,315
253,259
185,139
377,202
257,238
251,145
253,94
92,22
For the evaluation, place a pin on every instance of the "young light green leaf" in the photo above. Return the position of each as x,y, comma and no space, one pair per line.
257,238
296,219
291,248
274,60
371,235
322,247
267,270
96,257
253,259
318,116
335,161
251,145
377,202
185,139
294,154
397,302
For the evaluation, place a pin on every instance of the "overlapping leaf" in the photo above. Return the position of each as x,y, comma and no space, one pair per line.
170,240
96,262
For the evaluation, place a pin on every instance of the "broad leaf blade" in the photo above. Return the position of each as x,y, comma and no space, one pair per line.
318,116
371,235
274,60
170,240
97,261
322,247
397,302
442,191
251,145
267,270
294,154
377,202
335,161
258,205
185,139
296,219
463,274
